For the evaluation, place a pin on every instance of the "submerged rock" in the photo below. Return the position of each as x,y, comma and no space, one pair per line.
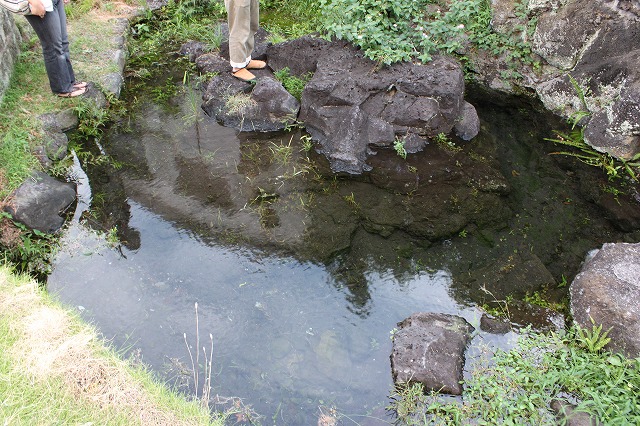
40,201
428,348
607,292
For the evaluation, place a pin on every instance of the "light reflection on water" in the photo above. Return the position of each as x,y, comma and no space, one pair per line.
284,333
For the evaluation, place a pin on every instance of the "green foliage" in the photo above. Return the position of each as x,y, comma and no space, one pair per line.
516,387
289,19
91,117
33,253
16,159
398,145
174,24
294,85
583,152
390,31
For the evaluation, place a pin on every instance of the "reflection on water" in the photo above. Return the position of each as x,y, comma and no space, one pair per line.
285,331
301,275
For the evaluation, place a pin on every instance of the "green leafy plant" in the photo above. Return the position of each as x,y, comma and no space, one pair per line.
398,145
517,386
32,252
390,31
584,153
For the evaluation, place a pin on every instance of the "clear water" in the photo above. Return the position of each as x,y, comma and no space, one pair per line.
300,307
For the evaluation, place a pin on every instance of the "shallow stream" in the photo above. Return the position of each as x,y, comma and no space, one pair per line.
300,276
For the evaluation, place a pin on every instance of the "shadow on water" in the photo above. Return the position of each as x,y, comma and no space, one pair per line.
301,275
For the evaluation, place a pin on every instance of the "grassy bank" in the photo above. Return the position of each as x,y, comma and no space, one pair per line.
55,370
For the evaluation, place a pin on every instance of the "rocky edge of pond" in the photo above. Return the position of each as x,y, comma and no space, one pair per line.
350,111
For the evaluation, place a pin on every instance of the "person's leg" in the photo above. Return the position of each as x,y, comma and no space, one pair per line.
55,60
254,22
59,9
239,19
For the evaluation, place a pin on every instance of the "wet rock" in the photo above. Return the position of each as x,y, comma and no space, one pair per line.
568,416
40,201
266,108
607,292
494,325
429,348
331,354
512,274
469,124
350,105
193,49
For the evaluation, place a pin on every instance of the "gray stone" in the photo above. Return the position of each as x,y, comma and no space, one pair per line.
299,55
56,145
429,348
266,107
569,416
607,292
60,121
39,202
193,49
468,125
112,83
9,48
351,104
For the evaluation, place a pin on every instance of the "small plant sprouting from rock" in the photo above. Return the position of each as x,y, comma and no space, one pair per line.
398,145
239,103
294,85
446,143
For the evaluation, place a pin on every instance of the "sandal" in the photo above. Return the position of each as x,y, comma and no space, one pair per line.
244,75
73,94
80,85
254,64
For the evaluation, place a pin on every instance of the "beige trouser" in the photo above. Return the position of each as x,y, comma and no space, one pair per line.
244,18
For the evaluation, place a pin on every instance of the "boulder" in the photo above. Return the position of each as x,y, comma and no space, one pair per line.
266,107
607,292
429,348
351,105
40,202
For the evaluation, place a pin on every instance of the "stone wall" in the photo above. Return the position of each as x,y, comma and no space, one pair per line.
9,48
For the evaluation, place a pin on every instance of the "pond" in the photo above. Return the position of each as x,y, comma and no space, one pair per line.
301,276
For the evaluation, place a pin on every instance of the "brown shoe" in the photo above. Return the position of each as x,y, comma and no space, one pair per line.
244,75
254,64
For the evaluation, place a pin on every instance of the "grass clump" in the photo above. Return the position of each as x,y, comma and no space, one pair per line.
54,370
518,386
294,85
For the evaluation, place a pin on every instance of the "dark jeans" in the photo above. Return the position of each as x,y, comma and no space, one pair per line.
52,32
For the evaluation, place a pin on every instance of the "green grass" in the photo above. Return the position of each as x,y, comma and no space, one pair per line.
516,387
